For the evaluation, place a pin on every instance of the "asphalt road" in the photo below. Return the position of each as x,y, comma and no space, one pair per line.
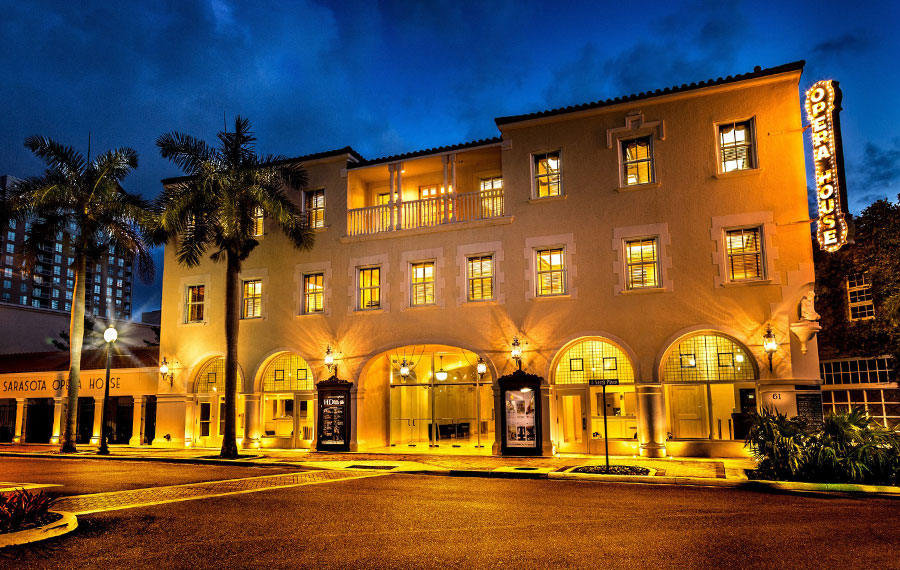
415,521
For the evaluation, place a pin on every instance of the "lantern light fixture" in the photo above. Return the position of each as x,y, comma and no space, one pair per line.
481,368
770,345
516,352
404,369
329,359
164,370
441,374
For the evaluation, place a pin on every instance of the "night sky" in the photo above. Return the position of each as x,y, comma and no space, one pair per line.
393,77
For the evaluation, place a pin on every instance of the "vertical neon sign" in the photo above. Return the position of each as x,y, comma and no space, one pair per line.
822,106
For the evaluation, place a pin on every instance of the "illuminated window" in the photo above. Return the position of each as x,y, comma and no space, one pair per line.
252,299
641,263
637,161
744,252
547,174
257,223
288,372
491,196
369,288
736,146
313,293
211,377
422,283
551,271
481,277
314,205
708,358
491,183
859,297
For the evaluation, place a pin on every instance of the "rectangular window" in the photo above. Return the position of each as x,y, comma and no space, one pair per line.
736,146
10,248
547,174
252,299
9,260
11,236
369,288
314,205
744,251
480,270
491,196
313,293
257,223
551,271
641,263
194,303
204,418
422,283
637,161
859,297
58,247
7,272
7,284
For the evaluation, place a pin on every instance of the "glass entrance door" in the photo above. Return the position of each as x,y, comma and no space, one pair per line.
411,416
572,418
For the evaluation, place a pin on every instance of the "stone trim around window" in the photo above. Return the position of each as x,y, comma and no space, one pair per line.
664,252
301,269
353,268
463,252
407,258
248,275
566,241
764,220
183,284
635,127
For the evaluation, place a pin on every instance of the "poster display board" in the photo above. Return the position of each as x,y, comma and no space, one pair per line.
809,407
333,430
521,416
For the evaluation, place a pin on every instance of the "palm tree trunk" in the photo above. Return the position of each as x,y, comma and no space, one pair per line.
76,341
232,321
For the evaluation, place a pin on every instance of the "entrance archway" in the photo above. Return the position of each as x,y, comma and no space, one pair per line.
288,387
209,419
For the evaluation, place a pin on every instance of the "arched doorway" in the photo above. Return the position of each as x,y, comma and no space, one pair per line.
580,405
288,413
710,386
209,417
435,398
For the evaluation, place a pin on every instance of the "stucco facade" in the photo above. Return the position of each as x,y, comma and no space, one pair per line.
445,207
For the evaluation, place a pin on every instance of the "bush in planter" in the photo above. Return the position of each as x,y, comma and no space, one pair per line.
778,443
22,509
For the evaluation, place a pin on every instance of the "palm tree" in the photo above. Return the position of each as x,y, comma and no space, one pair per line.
86,199
212,209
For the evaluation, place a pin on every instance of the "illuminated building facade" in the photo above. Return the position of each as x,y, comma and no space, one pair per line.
648,242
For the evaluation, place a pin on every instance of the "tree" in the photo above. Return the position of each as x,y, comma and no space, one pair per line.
212,209
92,337
84,199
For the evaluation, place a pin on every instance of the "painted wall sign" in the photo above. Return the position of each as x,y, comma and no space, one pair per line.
823,103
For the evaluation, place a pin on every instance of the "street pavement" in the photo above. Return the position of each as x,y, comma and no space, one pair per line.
353,519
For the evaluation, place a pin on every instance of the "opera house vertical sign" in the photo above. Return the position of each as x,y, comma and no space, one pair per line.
823,103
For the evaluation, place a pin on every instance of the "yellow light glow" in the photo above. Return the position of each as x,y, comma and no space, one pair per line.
820,108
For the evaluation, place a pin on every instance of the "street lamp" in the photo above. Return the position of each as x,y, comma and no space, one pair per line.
770,345
516,352
109,335
481,370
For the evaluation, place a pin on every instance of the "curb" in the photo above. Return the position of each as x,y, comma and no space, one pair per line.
65,525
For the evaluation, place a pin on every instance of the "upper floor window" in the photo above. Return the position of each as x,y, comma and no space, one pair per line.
194,303
491,183
642,263
313,293
421,283
257,222
736,150
369,288
314,205
480,273
251,306
637,161
547,174
744,252
551,271
859,297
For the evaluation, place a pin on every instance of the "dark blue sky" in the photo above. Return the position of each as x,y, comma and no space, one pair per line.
398,76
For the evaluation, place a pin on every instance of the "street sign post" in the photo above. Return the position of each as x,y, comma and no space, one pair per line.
603,384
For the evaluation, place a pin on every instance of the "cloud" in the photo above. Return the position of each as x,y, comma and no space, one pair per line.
850,43
881,165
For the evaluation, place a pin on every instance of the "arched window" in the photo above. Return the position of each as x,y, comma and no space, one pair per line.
593,359
287,373
211,377
708,357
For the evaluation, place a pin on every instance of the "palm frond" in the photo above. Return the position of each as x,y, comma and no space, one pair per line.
56,156
189,153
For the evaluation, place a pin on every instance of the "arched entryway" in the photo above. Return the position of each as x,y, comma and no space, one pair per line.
288,413
710,386
209,402
580,403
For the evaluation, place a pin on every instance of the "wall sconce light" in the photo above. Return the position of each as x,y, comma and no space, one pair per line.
164,370
516,352
329,359
404,369
481,368
441,374
770,345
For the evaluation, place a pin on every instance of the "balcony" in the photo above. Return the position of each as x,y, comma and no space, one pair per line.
426,213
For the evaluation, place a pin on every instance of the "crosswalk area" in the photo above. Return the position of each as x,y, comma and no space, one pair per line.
101,502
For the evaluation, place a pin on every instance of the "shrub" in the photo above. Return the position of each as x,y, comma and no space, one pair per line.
847,448
22,509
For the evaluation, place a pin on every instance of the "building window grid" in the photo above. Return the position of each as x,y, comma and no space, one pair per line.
882,405
252,299
369,288
744,252
637,161
859,297
422,283
858,371
288,372
642,263
313,293
257,222
194,303
736,146
314,205
595,358
551,272
480,269
697,359
547,174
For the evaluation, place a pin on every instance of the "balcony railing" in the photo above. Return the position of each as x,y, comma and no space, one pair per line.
426,213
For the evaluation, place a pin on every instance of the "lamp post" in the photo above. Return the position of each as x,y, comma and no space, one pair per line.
481,370
770,345
109,335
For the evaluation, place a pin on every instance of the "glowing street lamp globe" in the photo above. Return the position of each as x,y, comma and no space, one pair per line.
110,334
